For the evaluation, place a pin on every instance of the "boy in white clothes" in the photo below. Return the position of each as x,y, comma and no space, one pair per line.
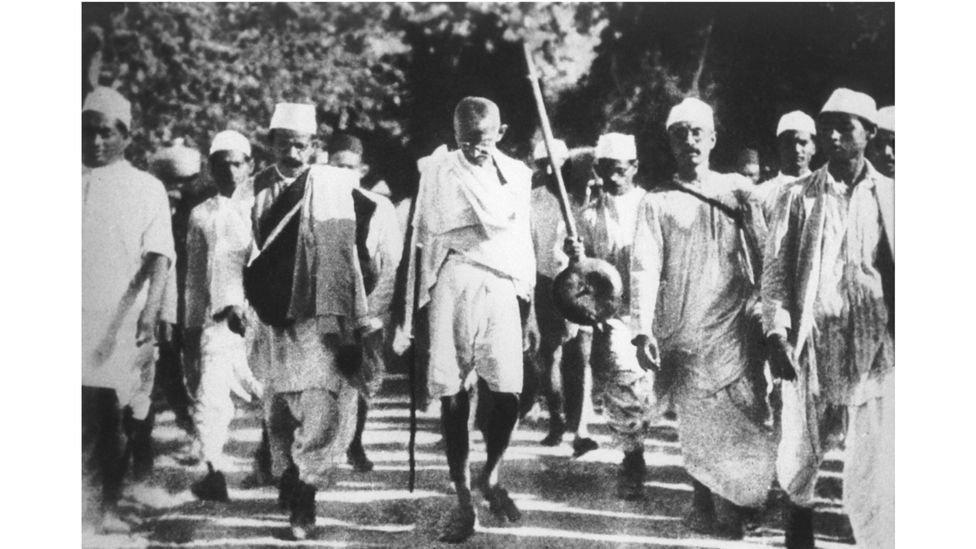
218,243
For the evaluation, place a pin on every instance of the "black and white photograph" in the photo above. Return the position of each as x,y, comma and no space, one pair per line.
515,275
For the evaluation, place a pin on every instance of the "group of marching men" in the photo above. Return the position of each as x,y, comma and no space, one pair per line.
280,287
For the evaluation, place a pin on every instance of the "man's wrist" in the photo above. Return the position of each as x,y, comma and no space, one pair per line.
370,325
641,339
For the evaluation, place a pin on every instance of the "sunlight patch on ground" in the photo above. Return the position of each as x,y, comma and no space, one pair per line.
337,496
264,542
116,541
156,497
281,522
677,486
359,496
647,541
528,502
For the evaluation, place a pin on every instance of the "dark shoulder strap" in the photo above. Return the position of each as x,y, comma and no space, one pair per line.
283,205
735,214
365,208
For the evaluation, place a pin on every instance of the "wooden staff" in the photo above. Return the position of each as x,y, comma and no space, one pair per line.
549,141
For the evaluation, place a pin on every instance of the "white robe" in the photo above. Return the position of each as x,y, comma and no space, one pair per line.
691,290
462,207
125,215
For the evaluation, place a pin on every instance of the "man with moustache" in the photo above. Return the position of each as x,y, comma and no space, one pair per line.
694,298
307,287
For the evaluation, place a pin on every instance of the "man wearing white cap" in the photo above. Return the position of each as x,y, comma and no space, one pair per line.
563,348
795,136
828,310
178,167
217,247
694,295
127,247
607,225
881,149
379,258
476,270
307,287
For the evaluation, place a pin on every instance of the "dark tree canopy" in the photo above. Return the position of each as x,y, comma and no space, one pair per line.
390,73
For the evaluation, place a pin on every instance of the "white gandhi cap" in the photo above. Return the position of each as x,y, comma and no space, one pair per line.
110,103
797,121
886,118
616,146
299,117
692,111
559,150
851,102
229,140
177,160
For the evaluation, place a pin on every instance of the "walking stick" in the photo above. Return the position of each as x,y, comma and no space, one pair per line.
412,377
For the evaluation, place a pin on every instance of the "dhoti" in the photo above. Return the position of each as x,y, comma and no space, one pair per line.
474,325
127,368
310,408
724,442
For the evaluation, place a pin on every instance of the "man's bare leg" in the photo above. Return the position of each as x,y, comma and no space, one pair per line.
576,390
454,423
356,454
497,432
550,357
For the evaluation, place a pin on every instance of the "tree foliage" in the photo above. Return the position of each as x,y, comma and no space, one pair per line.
752,62
391,72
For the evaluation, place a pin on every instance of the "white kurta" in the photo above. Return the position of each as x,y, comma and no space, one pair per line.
218,245
691,290
465,209
768,191
481,214
125,215
848,359
548,233
607,225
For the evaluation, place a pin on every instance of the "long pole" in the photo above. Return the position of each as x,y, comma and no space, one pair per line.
549,141
412,373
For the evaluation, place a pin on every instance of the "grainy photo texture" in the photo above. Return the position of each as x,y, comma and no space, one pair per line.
488,274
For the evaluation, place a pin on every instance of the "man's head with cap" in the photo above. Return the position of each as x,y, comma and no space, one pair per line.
615,162
292,131
178,167
230,161
691,133
478,128
881,150
846,124
795,135
540,155
346,151
106,120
